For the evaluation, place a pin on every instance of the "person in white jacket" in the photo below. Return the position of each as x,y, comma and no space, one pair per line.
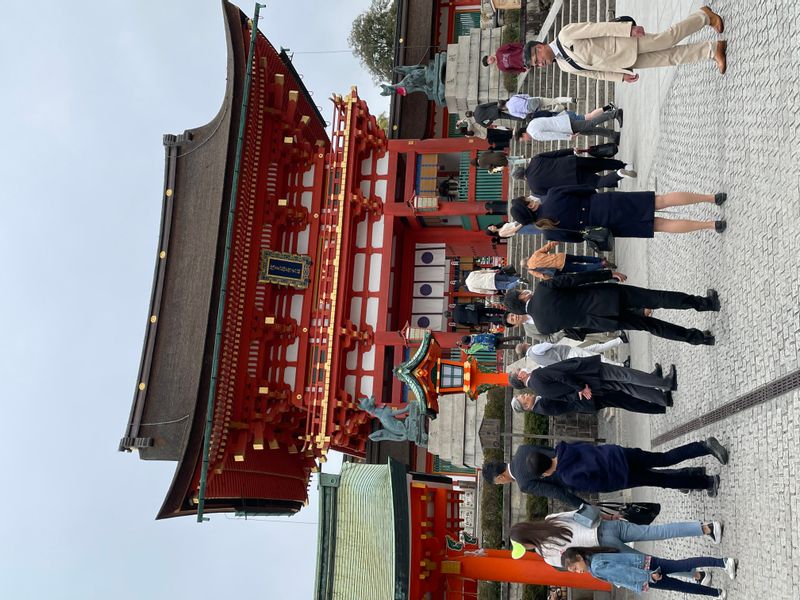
489,281
567,125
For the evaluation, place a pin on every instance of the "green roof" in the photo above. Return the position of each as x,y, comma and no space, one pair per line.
363,549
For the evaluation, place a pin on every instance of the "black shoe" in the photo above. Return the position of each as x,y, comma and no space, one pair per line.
713,487
668,399
658,371
627,363
719,199
673,378
624,337
610,106
720,226
618,116
712,300
717,450
708,338
616,141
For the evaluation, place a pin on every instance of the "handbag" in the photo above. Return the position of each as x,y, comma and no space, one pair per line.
639,513
587,515
606,150
600,239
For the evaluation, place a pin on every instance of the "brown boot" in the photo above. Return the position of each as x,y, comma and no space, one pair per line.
714,20
720,56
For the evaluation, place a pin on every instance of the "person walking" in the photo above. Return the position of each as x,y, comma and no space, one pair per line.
523,106
587,467
545,354
556,533
474,313
587,377
642,572
545,264
488,341
565,211
490,281
612,51
567,125
558,168
530,482
562,405
581,301
514,57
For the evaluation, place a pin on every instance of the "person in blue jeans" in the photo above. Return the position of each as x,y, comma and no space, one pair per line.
641,572
552,536
488,341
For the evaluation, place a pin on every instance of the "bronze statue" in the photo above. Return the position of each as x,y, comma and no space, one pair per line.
395,429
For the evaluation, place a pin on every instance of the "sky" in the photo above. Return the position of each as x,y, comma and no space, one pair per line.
88,88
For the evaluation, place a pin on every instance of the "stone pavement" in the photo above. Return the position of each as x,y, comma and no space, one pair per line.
689,128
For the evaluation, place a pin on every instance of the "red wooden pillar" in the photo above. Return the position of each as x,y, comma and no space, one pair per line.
497,565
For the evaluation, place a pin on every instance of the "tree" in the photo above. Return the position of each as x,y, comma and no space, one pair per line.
383,121
372,39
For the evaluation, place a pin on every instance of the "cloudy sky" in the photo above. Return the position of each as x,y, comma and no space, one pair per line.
88,89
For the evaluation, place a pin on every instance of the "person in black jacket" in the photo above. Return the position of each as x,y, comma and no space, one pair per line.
580,300
558,168
528,480
588,377
551,407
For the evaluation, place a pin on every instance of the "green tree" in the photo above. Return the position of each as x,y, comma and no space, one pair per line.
372,39
383,121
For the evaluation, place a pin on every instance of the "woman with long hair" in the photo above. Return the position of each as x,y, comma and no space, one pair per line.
640,572
556,533
564,211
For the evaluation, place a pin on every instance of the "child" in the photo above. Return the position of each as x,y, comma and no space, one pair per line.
640,572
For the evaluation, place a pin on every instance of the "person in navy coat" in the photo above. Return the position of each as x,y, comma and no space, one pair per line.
559,168
564,211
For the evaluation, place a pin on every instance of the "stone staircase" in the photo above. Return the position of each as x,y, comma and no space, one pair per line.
467,82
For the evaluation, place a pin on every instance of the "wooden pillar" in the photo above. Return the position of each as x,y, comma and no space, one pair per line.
497,565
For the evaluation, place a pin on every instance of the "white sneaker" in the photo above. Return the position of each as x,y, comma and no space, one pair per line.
707,577
731,564
627,173
716,531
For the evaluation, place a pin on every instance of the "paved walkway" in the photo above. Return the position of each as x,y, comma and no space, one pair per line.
691,129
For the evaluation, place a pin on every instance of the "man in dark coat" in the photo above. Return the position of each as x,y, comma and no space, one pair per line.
551,407
588,377
579,300
561,167
527,479
474,313
609,468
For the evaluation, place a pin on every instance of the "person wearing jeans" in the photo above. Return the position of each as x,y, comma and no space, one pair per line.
565,126
557,532
640,572
544,263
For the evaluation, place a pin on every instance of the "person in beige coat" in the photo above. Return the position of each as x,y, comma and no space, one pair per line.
612,51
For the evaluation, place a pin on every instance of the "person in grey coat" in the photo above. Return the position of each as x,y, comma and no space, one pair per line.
546,353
